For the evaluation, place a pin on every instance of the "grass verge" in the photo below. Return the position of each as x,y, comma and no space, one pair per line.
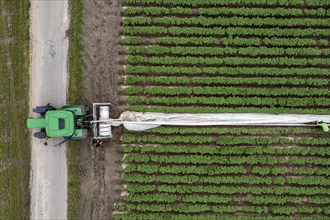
14,106
75,86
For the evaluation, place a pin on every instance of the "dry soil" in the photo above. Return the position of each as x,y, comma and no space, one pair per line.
101,183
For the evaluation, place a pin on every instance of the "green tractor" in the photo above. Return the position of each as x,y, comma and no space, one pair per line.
67,122
71,122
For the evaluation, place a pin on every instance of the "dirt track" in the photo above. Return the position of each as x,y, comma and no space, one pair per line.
49,45
101,184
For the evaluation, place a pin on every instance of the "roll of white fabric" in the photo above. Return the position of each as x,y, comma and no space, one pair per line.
104,112
147,120
104,129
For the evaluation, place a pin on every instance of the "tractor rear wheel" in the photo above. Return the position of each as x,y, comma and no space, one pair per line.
84,108
84,135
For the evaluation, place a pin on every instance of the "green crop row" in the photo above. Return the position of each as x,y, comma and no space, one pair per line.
216,11
199,170
275,51
136,188
139,20
208,41
214,199
276,140
227,22
317,12
201,41
211,3
260,170
183,80
229,101
132,40
294,42
165,197
153,216
319,200
262,12
210,171
272,32
211,51
144,30
231,131
221,150
228,190
225,71
278,200
200,208
295,170
181,208
281,200
237,41
209,109
229,31
224,90
225,160
311,171
287,210
308,181
156,11
232,61
171,140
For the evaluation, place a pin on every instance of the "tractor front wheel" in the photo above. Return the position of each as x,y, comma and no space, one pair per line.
43,109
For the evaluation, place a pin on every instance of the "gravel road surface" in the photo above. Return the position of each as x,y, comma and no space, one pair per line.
48,83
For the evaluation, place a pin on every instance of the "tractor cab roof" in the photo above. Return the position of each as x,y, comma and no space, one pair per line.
59,123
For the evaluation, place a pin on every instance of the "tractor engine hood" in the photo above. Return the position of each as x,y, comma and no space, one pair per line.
36,123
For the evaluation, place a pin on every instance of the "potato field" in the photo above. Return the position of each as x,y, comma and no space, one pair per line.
214,56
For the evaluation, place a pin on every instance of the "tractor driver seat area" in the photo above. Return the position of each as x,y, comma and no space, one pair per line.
61,123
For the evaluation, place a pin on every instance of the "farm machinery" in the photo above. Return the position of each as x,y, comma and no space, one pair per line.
74,122
70,122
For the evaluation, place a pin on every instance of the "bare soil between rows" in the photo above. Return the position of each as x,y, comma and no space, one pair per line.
100,184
